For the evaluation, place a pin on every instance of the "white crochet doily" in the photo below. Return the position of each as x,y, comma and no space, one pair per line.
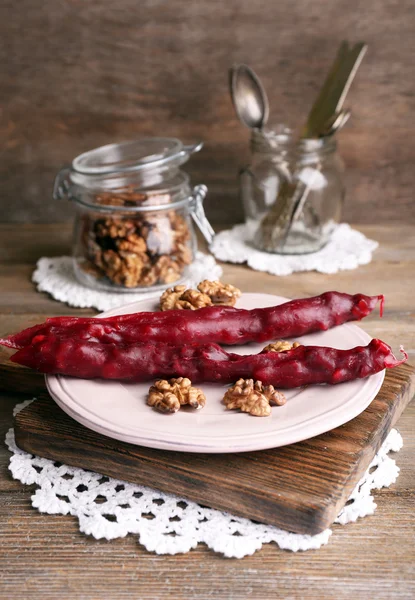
347,249
56,276
165,524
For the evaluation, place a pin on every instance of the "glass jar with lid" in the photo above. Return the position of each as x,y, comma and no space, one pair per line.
259,182
310,201
135,212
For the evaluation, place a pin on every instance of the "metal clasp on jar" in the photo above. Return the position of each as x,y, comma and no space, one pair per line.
62,184
198,215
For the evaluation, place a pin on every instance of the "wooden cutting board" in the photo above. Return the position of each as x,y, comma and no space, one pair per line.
300,488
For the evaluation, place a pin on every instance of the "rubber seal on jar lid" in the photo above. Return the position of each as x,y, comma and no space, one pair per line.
137,155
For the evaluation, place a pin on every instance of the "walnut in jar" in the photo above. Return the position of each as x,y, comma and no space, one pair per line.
124,268
136,249
114,228
132,243
167,269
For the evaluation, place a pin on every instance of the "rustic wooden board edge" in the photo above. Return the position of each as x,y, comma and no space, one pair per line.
324,516
300,519
176,482
18,379
403,397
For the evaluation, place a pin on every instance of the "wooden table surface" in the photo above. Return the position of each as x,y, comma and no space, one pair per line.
44,556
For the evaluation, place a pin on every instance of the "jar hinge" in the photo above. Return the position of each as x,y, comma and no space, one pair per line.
198,214
61,184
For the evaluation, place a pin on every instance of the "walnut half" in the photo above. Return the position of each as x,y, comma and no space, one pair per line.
253,397
220,293
169,395
180,298
281,346
207,293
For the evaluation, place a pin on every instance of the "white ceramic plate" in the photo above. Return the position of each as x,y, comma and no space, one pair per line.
119,410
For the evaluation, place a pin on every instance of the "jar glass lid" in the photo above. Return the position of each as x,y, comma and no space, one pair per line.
137,155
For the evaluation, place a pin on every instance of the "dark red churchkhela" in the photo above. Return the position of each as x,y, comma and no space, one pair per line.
300,366
218,324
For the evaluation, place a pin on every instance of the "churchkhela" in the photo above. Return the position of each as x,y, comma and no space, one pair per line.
300,366
213,324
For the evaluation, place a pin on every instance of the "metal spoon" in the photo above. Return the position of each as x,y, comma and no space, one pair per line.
248,97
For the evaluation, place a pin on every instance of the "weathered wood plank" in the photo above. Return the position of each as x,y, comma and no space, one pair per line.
46,558
78,75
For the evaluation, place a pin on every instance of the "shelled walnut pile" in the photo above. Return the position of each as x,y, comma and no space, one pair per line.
207,294
135,250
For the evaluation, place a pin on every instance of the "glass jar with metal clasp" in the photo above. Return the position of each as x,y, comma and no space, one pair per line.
135,210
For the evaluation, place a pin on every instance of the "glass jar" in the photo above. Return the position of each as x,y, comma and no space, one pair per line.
309,204
133,227
260,181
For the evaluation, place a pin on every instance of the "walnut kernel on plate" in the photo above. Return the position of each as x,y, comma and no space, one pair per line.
180,298
169,395
253,397
220,293
281,346
207,293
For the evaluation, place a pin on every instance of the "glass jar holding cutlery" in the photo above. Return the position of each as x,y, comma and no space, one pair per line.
310,201
297,201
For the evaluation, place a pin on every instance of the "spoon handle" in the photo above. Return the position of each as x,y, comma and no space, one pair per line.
335,88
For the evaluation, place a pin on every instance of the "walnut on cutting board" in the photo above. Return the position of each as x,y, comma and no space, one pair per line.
136,250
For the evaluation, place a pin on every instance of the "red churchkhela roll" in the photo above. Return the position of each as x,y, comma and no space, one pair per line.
300,366
217,324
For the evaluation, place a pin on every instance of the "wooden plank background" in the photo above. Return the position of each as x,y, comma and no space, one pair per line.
75,75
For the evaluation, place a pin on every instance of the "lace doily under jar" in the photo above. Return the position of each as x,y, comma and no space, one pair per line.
346,250
165,524
56,276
